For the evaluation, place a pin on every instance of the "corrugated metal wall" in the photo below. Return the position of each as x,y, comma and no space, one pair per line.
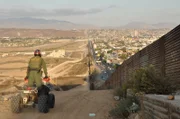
164,54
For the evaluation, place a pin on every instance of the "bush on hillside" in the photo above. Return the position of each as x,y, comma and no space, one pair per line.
118,92
122,109
121,91
150,80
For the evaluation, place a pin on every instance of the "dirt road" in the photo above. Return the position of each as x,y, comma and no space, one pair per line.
73,104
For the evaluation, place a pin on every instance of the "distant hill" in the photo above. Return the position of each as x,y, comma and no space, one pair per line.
142,25
36,33
165,25
34,23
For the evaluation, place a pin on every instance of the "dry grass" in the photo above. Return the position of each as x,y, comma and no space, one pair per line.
15,59
9,83
69,81
51,62
13,65
76,54
5,106
75,45
78,69
13,72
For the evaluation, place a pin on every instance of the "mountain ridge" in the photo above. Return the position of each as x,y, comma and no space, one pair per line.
37,23
34,23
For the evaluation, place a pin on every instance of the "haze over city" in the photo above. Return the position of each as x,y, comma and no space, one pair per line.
98,13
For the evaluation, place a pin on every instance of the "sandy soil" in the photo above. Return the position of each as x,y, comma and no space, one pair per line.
77,103
73,104
76,54
67,45
31,33
69,80
17,58
15,66
62,71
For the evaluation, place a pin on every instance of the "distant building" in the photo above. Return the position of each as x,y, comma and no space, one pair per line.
57,54
136,33
95,46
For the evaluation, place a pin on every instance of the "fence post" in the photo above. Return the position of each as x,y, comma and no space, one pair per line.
142,106
162,54
169,111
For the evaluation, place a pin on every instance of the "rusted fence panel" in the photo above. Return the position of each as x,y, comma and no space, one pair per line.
172,54
164,54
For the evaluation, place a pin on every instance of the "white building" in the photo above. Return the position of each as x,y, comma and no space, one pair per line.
57,54
4,55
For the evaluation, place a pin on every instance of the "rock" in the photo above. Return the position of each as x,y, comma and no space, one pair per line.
132,116
177,92
116,98
137,116
130,93
134,107
7,97
92,114
170,97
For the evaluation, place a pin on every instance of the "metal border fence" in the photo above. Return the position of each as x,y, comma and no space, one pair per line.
164,54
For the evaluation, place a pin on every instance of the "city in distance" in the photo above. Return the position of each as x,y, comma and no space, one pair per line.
83,44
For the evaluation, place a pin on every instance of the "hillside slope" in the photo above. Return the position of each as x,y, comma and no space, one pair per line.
73,104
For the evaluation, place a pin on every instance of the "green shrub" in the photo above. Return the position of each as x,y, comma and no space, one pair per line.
121,91
122,109
150,80
118,92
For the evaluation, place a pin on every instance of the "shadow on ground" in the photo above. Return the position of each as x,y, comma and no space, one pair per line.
69,87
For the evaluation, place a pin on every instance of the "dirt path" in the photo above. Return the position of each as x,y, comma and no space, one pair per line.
73,104
60,69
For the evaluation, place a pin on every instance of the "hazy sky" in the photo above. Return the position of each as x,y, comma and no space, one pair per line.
97,12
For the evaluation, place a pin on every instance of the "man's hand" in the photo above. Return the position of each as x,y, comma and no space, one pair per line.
46,79
26,79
